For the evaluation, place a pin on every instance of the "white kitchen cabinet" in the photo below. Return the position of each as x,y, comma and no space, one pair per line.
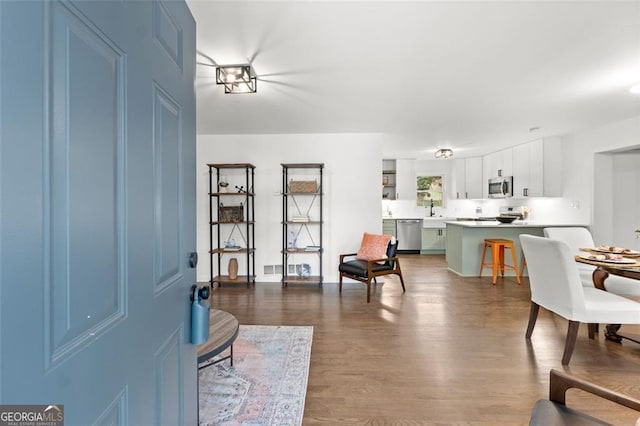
406,183
506,162
459,187
468,182
528,169
496,164
389,226
537,168
552,163
434,240
474,182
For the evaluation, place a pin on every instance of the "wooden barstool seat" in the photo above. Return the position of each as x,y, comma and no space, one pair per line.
498,245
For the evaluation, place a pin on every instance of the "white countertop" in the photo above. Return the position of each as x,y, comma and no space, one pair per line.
515,224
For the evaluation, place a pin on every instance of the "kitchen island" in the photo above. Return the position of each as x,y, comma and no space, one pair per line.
465,240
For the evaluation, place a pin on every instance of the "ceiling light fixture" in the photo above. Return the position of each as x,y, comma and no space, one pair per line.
444,153
635,89
236,79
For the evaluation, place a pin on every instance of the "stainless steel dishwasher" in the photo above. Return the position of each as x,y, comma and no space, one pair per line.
409,235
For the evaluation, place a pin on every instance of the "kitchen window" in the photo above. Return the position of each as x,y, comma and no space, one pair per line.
430,187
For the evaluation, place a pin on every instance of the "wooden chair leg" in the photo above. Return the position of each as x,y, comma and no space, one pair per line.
593,330
570,344
533,316
340,282
404,290
369,291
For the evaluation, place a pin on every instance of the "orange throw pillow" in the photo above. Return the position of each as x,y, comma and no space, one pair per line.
373,246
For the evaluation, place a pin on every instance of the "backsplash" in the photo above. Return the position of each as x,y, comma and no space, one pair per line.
551,210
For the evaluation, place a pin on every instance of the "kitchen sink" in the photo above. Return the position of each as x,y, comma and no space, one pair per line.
435,222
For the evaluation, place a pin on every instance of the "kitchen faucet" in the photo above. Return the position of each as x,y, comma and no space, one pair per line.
431,212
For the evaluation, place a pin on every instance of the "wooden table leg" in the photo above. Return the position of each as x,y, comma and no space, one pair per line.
611,330
599,275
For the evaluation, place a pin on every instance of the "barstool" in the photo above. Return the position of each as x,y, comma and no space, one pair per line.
497,257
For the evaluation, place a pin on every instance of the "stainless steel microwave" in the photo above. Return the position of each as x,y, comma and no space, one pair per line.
501,187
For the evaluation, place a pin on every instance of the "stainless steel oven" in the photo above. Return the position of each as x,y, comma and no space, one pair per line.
501,187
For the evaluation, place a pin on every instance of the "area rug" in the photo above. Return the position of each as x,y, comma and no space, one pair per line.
267,384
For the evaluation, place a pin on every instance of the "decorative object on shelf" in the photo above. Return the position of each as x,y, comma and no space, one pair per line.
233,268
231,213
223,184
305,270
237,79
385,180
291,242
231,245
305,186
444,153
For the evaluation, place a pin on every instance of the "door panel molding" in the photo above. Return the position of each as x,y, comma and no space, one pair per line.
168,33
83,203
168,190
169,398
116,411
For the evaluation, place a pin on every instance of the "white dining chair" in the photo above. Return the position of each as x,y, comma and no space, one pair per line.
556,286
577,238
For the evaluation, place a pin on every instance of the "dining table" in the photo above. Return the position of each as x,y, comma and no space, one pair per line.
600,274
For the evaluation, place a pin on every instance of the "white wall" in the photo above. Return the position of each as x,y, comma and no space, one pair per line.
589,176
626,199
352,176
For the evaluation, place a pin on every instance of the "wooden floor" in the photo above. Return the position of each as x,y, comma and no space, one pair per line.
450,350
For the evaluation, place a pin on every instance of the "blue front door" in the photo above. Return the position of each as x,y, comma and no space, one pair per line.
97,209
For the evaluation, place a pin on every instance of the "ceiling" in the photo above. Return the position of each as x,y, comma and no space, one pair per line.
473,76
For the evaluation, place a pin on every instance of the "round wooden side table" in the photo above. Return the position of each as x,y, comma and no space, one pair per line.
223,331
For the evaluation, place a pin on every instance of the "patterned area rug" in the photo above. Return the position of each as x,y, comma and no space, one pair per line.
267,383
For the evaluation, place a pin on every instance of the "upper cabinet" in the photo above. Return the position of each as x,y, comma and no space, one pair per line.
468,178
552,166
537,168
527,166
406,184
498,164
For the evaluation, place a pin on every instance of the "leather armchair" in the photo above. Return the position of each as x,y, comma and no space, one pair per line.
367,270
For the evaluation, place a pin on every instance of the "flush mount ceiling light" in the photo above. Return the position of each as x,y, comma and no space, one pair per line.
635,89
236,79
444,153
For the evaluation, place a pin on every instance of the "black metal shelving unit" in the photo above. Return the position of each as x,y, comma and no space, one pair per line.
302,221
221,224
